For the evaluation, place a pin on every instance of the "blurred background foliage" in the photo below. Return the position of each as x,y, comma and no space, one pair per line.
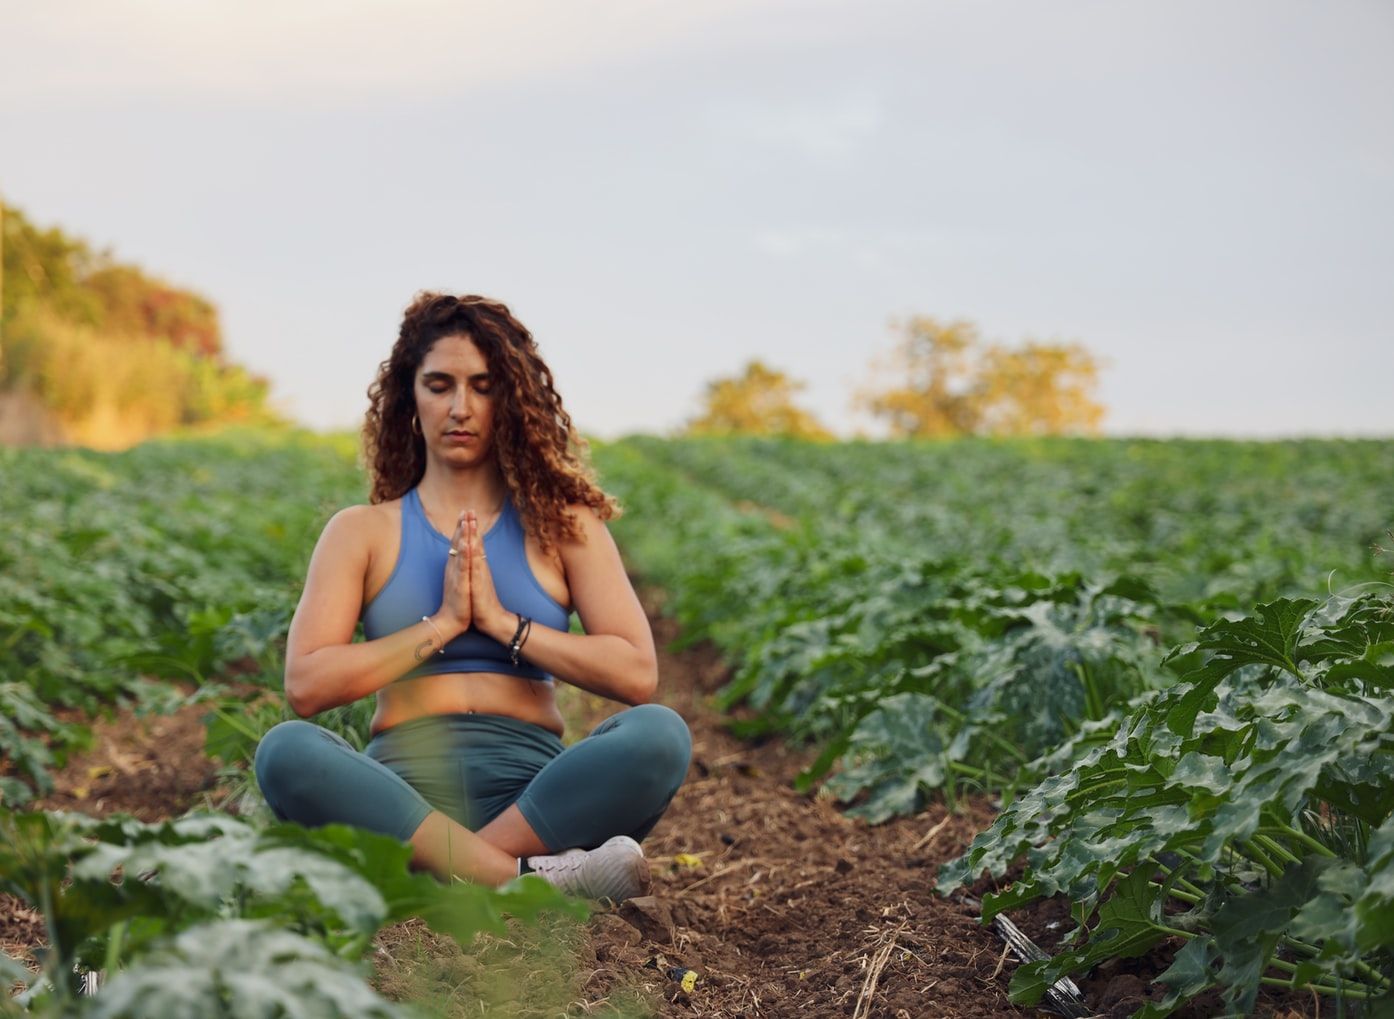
99,353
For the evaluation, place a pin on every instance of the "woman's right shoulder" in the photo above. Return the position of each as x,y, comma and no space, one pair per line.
363,525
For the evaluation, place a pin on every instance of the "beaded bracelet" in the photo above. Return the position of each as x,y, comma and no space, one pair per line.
520,637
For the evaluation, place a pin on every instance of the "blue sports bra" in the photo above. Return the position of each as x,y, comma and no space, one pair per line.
417,584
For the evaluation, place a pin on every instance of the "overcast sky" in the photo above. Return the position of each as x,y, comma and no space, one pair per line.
1201,193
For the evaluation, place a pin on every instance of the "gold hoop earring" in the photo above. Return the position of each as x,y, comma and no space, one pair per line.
415,425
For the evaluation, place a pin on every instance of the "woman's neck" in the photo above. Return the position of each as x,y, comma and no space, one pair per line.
448,491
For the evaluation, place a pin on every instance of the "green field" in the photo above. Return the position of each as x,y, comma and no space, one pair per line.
1170,661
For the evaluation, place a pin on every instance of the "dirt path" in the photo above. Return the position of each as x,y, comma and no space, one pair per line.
785,907
152,768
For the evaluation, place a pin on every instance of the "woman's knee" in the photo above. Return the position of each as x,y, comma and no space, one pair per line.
285,760
666,741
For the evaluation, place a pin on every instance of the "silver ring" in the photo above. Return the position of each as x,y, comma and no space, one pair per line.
453,551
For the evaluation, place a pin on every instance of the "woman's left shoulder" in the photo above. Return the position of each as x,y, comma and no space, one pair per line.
584,519
586,530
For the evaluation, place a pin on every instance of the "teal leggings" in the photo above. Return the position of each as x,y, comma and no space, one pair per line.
617,780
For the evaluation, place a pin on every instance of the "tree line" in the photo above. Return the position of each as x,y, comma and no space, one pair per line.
98,351
940,379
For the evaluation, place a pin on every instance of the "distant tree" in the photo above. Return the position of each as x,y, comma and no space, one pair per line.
759,401
48,268
109,354
930,381
942,379
141,305
1039,389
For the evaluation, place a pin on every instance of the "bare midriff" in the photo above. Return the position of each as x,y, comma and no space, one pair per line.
485,693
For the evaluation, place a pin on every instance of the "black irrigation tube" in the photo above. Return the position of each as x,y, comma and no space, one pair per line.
1062,997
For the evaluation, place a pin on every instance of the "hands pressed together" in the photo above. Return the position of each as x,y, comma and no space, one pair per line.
469,597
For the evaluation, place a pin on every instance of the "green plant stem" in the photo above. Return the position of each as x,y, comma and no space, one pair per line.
235,722
968,769
1363,993
1371,974
115,936
996,738
1177,893
1255,853
59,968
1094,703
1279,828
1181,882
1176,932
1277,848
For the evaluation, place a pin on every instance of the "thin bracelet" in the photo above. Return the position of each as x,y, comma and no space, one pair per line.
516,644
427,621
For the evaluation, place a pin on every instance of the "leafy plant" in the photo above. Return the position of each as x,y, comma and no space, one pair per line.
1245,811
114,891
241,969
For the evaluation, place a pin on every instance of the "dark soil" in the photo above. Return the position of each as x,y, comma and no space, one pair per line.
782,905
152,768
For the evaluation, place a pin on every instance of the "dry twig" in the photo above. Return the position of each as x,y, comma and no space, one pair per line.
873,975
931,835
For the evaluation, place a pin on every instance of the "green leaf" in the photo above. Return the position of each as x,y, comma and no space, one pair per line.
1128,927
1030,982
1270,639
12,971
1190,973
1196,690
893,754
240,969
459,909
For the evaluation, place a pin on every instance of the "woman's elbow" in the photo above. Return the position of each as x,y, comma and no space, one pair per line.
301,707
299,695
645,683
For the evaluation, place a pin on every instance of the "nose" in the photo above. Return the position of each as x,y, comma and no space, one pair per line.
459,403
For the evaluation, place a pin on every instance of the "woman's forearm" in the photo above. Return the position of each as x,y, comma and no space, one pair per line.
342,673
602,663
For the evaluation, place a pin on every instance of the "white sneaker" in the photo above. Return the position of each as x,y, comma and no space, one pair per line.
614,870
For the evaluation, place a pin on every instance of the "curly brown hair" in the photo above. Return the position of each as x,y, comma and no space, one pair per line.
540,454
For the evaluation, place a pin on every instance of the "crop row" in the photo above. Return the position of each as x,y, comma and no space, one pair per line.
1222,522
927,642
1012,618
149,579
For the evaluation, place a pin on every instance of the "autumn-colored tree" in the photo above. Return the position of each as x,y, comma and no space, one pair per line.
1039,389
140,305
930,381
942,379
104,353
759,401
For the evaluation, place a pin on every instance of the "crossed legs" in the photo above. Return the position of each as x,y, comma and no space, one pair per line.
617,780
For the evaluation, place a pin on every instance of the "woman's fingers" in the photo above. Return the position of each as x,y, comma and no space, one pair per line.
456,598
457,539
484,600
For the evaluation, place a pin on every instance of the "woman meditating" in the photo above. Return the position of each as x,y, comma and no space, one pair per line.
484,532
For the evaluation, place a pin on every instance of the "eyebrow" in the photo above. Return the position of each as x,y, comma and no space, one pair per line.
447,377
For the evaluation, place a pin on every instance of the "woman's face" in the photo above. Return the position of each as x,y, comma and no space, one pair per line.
454,401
